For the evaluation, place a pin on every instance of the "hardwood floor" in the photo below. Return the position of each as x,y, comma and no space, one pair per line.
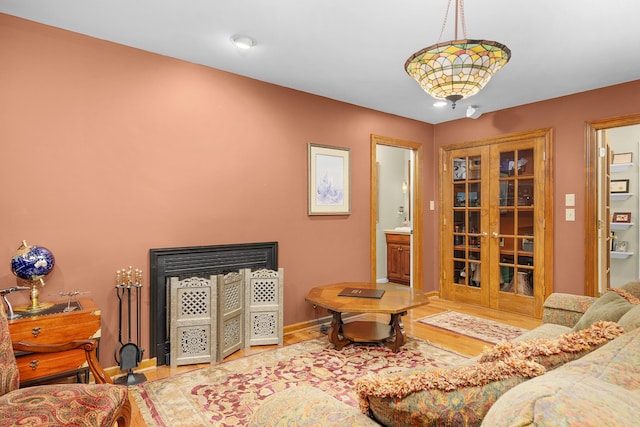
458,343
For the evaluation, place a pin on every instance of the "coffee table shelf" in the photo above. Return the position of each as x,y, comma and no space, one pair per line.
364,331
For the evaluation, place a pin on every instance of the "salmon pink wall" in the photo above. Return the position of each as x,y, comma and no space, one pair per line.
108,151
567,116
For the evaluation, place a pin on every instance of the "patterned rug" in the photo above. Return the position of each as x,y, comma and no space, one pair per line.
226,394
474,327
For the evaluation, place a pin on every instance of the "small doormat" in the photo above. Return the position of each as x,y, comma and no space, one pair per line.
474,327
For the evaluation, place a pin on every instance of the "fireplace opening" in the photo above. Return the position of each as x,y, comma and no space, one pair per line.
196,261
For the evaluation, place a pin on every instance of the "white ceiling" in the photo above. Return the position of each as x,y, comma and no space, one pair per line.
354,50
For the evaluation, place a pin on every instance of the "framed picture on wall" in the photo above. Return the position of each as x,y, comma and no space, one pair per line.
329,180
621,217
621,158
620,246
619,186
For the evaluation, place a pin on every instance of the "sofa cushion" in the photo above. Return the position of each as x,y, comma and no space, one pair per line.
307,406
610,306
616,362
450,396
631,319
568,400
546,330
565,309
633,288
602,388
554,352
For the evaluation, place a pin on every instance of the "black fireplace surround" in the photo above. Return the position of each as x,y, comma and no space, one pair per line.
196,261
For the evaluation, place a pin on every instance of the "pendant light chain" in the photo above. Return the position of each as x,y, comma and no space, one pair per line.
459,13
464,24
444,22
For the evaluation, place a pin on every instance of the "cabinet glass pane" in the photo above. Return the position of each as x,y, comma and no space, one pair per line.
507,223
525,192
460,194
474,274
474,195
474,168
525,163
525,222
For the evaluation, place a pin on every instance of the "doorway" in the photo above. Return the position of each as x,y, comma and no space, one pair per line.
599,209
411,203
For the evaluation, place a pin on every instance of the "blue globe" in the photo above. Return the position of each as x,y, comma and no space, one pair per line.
32,263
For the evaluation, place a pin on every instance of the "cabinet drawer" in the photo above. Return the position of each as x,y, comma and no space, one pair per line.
41,365
59,327
43,333
401,239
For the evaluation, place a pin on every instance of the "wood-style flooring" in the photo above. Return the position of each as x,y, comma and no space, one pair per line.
458,343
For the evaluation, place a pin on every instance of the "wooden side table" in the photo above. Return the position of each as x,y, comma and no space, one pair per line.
53,326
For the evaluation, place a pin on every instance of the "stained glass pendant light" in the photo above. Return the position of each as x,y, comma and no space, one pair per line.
457,69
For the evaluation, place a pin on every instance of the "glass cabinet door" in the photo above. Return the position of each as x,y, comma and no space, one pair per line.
467,227
516,231
466,263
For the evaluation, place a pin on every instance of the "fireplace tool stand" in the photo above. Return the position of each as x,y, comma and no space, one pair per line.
128,289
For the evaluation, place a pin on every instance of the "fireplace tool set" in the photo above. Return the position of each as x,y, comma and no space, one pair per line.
128,290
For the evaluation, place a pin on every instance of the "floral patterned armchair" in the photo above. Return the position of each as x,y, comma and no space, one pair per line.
100,404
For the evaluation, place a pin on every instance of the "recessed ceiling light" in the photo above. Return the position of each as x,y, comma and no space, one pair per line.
440,104
243,42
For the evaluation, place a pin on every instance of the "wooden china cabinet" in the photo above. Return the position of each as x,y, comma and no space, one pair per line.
496,222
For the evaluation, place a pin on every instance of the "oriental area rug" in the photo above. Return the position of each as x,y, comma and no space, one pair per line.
474,327
226,394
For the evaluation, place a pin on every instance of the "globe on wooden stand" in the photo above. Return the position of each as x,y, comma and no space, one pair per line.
31,264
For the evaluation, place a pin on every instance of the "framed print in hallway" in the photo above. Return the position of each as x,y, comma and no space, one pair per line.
329,180
621,217
621,158
619,186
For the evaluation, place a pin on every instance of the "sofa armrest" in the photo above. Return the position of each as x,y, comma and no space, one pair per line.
565,309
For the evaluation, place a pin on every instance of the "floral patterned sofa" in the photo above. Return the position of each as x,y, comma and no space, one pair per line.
577,368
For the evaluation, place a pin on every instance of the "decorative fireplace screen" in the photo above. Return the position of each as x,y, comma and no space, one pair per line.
197,261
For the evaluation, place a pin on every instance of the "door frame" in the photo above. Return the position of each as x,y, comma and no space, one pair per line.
416,188
592,198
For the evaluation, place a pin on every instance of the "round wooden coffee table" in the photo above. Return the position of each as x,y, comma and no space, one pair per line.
395,301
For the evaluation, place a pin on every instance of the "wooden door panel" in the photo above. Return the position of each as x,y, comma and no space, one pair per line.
465,229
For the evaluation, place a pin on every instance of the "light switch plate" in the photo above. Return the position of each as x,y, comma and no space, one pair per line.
570,214
569,199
